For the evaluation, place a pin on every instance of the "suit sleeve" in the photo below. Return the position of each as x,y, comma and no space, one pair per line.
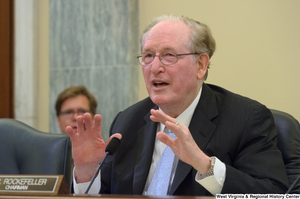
107,168
257,166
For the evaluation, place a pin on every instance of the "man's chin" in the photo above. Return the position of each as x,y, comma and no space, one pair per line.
159,100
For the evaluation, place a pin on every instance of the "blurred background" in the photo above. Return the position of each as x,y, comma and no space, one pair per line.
94,43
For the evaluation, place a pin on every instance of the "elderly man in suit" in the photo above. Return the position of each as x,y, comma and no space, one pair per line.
224,143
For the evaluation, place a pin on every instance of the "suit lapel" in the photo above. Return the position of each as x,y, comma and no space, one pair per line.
201,128
146,137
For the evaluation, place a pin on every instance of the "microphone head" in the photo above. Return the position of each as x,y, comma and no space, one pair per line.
113,145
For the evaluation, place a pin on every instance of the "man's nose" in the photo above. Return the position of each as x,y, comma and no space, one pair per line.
157,66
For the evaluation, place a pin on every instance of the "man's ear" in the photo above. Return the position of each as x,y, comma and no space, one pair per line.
203,61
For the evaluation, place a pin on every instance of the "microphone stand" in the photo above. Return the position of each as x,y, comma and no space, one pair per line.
96,173
293,185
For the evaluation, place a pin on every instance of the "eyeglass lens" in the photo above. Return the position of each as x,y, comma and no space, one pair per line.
71,113
166,58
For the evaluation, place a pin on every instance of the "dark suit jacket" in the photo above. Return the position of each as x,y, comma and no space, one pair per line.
237,130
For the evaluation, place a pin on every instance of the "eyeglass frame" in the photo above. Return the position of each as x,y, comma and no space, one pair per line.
72,113
160,59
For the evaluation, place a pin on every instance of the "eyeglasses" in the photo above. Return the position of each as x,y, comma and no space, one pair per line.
166,58
70,113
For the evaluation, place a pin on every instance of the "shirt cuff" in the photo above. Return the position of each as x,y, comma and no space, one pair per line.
214,183
81,187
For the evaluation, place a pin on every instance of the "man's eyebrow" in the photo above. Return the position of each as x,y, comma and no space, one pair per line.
168,49
163,50
146,50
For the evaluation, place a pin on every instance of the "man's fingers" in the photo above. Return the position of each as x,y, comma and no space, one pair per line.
97,123
159,116
178,129
165,138
70,131
169,122
87,121
117,135
80,125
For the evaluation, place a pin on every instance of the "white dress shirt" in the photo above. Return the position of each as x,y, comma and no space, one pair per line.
213,183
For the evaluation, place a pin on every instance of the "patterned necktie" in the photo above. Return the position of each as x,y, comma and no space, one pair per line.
160,181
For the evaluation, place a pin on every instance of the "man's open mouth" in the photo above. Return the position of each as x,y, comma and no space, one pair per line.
159,84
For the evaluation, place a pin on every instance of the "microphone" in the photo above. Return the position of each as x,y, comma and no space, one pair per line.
110,150
293,185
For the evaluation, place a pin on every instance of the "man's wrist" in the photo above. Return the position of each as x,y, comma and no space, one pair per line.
210,171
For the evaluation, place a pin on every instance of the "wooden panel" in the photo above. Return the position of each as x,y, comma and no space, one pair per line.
6,58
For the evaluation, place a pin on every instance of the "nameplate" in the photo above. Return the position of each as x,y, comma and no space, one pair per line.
33,184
